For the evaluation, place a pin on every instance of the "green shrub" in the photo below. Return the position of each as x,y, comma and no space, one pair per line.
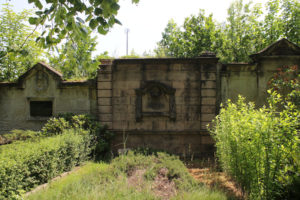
55,126
16,134
25,164
259,147
102,137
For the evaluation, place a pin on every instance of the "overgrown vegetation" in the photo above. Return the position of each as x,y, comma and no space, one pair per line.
132,176
100,139
101,136
16,135
260,148
34,157
25,164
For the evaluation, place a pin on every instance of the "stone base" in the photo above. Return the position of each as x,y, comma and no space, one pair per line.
185,144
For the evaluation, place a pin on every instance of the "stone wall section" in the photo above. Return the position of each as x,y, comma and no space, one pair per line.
104,93
196,96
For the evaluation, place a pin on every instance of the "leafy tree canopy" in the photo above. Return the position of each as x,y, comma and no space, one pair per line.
246,30
74,58
64,18
18,49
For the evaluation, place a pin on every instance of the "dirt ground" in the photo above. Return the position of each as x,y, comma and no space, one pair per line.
219,180
161,186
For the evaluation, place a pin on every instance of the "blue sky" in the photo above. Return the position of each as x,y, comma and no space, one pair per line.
147,20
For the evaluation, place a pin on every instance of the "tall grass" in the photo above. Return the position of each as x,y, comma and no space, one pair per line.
259,147
109,181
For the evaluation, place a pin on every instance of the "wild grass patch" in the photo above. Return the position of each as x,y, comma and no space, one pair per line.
131,176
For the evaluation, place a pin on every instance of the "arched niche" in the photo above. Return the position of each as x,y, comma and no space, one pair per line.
155,99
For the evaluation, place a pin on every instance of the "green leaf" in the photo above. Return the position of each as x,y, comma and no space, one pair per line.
98,11
102,21
93,24
38,4
38,12
33,20
117,21
102,31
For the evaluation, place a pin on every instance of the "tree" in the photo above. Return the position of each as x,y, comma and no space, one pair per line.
74,59
18,49
197,34
243,33
60,18
246,31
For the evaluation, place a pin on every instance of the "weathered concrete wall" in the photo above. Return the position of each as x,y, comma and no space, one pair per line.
251,80
125,88
75,97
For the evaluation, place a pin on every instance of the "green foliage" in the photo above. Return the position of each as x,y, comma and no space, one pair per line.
259,147
132,54
25,164
176,170
16,135
74,58
101,136
18,49
61,18
103,181
246,31
198,33
55,126
286,83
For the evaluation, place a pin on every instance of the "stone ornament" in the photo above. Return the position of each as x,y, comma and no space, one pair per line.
155,99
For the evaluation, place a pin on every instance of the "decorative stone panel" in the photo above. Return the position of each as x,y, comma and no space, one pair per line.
155,99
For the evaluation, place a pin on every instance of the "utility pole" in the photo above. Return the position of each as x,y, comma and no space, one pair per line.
126,32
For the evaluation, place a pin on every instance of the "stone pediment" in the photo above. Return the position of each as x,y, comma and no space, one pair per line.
282,47
155,99
40,71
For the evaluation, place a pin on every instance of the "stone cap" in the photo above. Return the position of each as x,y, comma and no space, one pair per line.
282,47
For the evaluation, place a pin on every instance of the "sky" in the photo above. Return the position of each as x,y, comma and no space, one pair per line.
147,20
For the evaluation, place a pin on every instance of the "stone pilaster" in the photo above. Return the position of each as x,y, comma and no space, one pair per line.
104,93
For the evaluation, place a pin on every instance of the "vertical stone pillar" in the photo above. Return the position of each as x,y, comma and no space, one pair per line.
104,93
209,88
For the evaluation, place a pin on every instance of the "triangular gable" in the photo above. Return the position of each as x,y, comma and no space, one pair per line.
281,47
57,75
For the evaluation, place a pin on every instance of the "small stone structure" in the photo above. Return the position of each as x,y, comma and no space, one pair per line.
159,103
40,93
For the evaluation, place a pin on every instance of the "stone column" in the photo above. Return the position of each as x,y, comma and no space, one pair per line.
104,93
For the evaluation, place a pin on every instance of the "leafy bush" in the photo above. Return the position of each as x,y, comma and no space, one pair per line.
55,126
259,147
25,164
16,134
101,136
286,83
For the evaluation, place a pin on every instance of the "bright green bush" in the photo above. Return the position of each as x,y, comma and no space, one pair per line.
101,136
17,134
25,164
259,147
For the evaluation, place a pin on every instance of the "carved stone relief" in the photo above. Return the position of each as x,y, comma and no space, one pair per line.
155,99
41,79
